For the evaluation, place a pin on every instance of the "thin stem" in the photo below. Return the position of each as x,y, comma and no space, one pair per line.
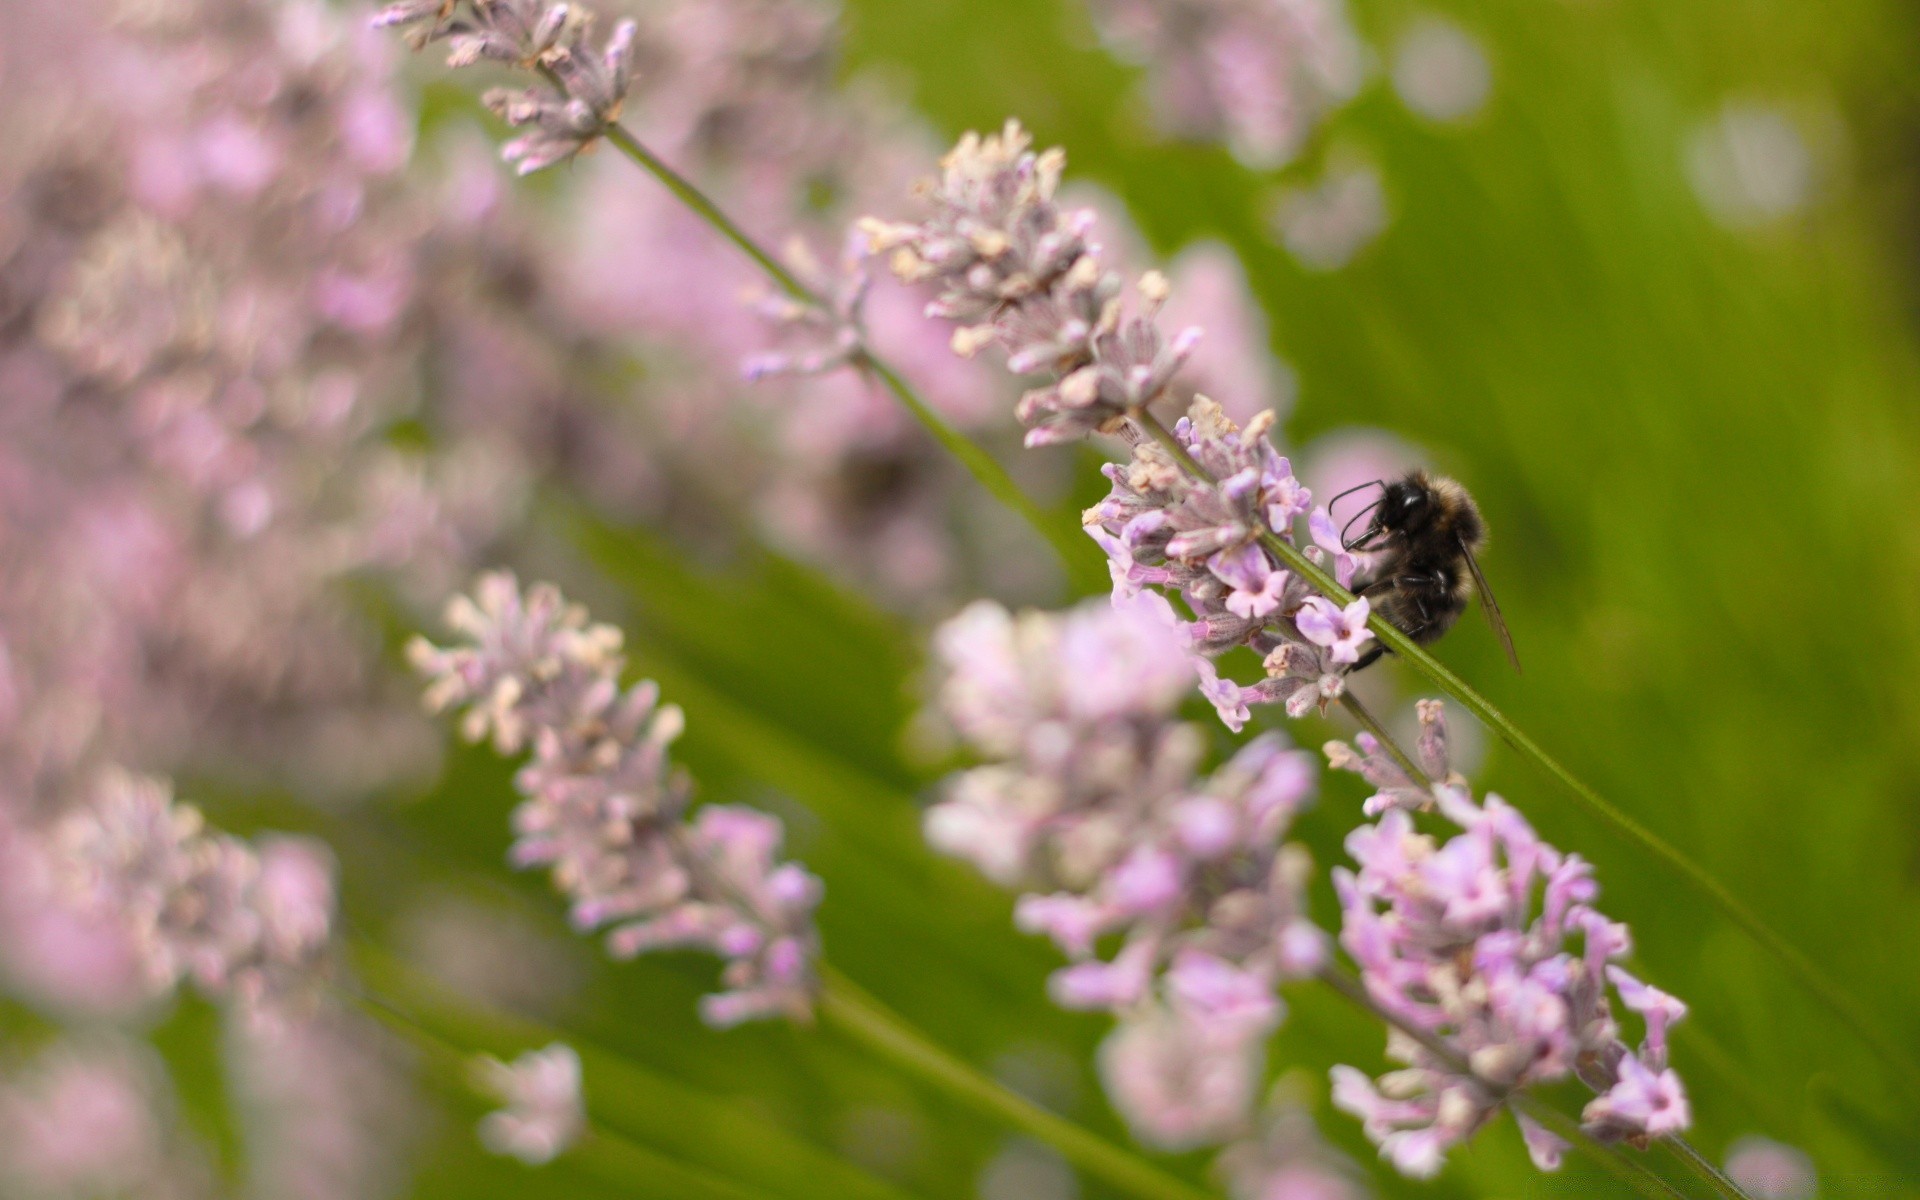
1072,549
1352,704
1636,1173
1069,544
1717,1179
843,1006
1906,1071
697,200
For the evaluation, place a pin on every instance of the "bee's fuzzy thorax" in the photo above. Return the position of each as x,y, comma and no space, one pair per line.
1456,513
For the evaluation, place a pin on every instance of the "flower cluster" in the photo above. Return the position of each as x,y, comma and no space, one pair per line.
1200,536
1258,75
586,86
606,811
249,922
1489,945
545,1112
90,1117
1016,269
1393,786
1095,805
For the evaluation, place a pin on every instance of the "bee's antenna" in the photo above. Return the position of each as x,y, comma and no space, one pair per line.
1350,491
1347,543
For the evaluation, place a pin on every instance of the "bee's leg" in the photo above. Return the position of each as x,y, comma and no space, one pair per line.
1368,659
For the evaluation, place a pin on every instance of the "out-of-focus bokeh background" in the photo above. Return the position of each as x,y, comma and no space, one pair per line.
1641,274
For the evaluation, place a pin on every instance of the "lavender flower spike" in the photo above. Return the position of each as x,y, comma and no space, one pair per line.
1202,539
584,87
248,922
1016,269
1489,943
1095,806
606,811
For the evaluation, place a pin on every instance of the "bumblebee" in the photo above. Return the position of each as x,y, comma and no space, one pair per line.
1424,531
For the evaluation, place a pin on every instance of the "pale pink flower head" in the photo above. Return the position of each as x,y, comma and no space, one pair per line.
1488,942
89,1118
545,1112
1178,1084
604,808
1343,631
1770,1170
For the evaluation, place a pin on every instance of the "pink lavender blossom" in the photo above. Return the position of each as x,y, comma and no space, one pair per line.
1325,225
606,811
544,1113
1440,70
1258,75
243,921
1201,539
1015,269
217,303
585,86
1393,787
1094,804
1488,942
1770,1170
327,1107
92,1118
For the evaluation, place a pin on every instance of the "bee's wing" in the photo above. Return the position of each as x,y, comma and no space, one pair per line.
1490,606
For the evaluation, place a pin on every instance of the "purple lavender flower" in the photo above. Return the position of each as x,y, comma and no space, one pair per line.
544,1111
830,333
1489,943
329,1109
1770,1170
1202,539
250,923
584,86
1014,268
1393,787
1095,805
1285,1158
605,810
1255,74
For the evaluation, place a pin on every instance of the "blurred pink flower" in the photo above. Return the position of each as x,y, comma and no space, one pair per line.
544,1112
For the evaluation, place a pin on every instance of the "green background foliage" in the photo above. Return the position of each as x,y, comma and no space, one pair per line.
1697,449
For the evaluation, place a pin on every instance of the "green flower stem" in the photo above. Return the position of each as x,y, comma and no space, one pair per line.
1352,704
1714,1176
1073,547
1802,968
859,1017
1067,543
849,1010
684,190
1631,1170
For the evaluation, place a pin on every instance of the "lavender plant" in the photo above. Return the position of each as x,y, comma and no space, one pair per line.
249,923
1192,517
1000,252
1094,803
1463,947
1489,942
606,811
